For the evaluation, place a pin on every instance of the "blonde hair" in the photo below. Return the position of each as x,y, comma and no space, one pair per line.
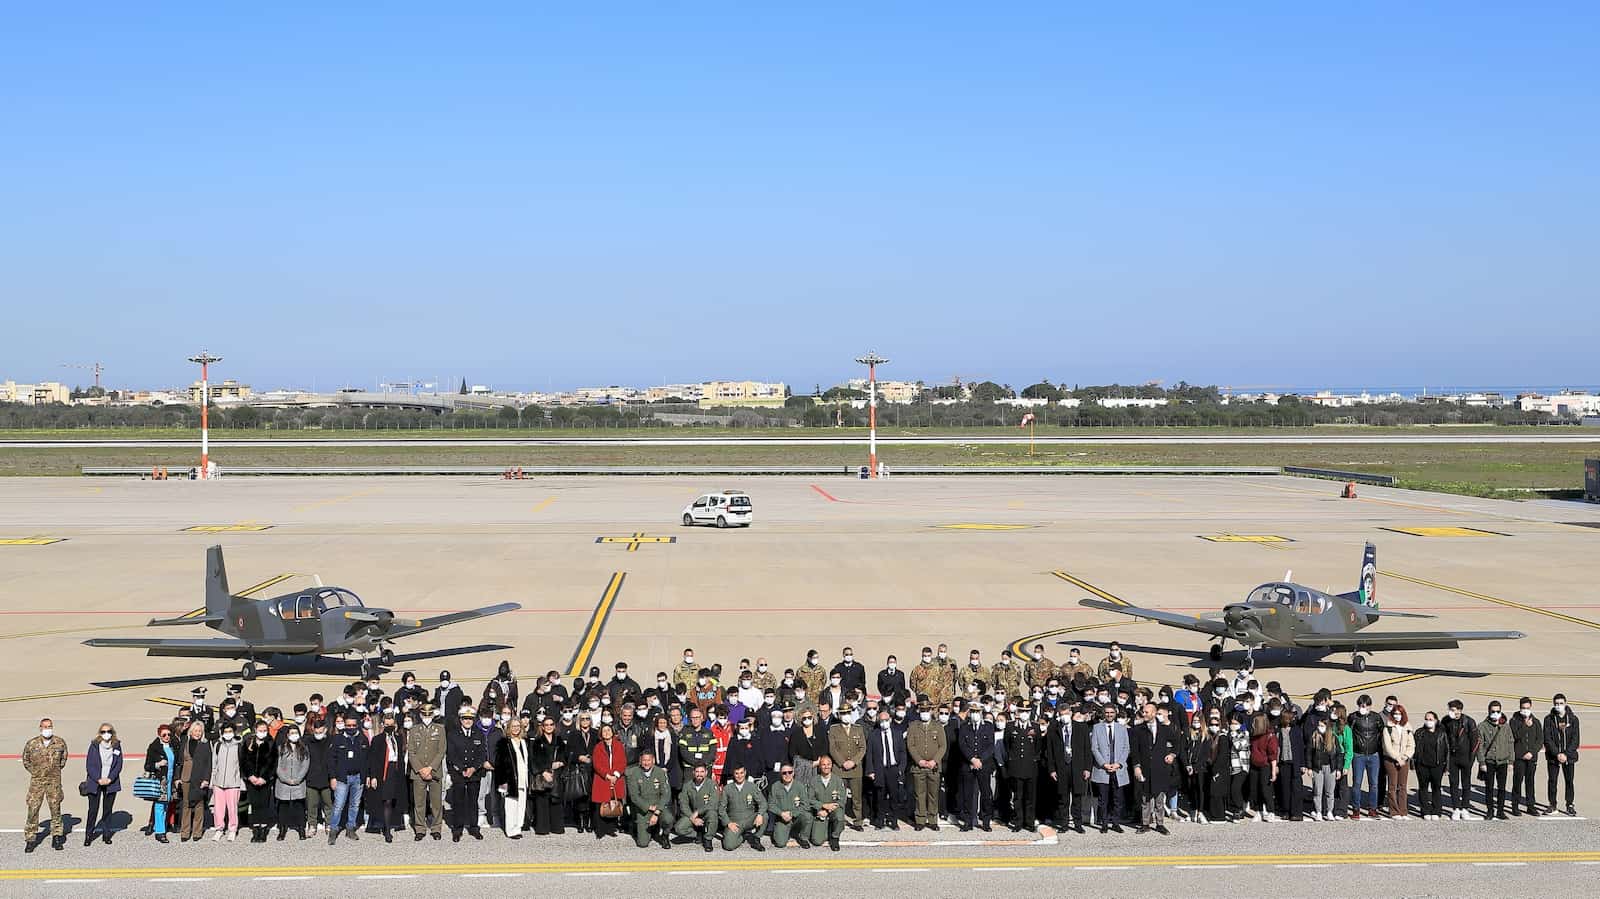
107,725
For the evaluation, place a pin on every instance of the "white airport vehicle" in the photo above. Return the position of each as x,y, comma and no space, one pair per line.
730,508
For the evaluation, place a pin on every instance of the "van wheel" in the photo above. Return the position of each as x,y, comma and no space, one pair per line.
722,522
688,520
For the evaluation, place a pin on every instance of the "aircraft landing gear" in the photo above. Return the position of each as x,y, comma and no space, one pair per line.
367,668
1358,663
1250,656
248,672
386,658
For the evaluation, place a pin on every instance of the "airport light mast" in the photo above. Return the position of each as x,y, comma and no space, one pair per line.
872,361
205,359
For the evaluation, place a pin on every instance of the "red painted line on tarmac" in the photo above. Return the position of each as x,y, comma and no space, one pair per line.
825,494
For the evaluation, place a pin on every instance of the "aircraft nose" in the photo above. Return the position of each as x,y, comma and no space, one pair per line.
1233,616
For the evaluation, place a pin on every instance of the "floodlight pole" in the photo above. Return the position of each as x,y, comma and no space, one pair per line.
872,361
205,359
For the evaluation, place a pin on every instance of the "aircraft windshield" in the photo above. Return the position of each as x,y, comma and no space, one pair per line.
1276,594
336,598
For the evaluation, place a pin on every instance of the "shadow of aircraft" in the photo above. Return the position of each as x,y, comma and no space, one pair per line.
1265,657
279,666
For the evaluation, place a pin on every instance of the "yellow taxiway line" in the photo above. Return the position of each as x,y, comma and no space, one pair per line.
1108,597
1494,599
875,863
597,624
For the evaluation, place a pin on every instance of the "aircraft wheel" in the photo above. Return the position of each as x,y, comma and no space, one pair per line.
386,658
1358,664
688,520
367,669
248,672
1216,652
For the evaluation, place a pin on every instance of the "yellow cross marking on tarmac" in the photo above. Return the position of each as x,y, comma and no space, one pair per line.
636,540
226,528
1245,538
1445,532
30,541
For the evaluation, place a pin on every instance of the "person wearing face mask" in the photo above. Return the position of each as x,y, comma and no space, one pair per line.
448,697
886,765
1561,751
852,674
892,682
227,780
1261,788
1326,763
1023,752
847,745
972,680
43,757
502,690
744,748
1462,732
1494,756
1116,658
1399,746
386,782
933,678
258,766
1006,675
811,674
347,764
1432,754
102,781
409,691
466,750
319,792
1366,742
194,778
686,672
289,786
925,750
1527,739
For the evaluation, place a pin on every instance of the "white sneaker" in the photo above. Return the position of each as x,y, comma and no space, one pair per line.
217,837
233,835
1316,817
1201,817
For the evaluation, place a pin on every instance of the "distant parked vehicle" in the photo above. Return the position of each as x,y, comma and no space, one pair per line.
730,508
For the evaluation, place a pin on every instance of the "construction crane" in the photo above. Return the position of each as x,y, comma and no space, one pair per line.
95,367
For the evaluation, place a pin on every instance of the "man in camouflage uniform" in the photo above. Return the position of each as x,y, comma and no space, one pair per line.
699,809
828,794
1006,675
925,746
764,679
789,802
972,673
812,674
686,673
933,679
1040,668
43,757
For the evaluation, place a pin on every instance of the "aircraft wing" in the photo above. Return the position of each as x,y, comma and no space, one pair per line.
214,648
410,628
1401,639
1170,619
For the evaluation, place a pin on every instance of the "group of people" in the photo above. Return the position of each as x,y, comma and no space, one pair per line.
793,758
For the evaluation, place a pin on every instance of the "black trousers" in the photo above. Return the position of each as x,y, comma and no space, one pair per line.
1259,793
292,815
1023,794
1460,786
1108,806
977,794
1291,794
260,799
1429,779
384,813
890,790
1494,790
1522,771
1217,795
603,826
463,804
100,805
1554,769
547,812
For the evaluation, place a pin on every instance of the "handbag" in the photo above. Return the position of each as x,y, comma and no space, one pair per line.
573,784
151,788
611,808
87,788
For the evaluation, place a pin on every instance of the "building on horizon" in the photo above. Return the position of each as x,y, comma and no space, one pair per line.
228,391
41,394
742,393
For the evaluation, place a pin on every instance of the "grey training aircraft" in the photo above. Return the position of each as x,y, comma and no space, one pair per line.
320,621
1287,615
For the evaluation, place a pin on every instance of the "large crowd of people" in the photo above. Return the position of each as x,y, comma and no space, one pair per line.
756,757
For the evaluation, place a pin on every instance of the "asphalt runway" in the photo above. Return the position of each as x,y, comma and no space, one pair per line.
883,566
1585,435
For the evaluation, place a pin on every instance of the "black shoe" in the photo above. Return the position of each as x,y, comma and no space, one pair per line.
351,833
515,836
965,827
706,845
754,841
300,832
803,844
455,836
388,836
417,838
1116,828
1162,829
282,834
833,843
475,833
160,838
333,835
437,835
1142,829
88,839
29,845
1572,810
1078,827
664,842
106,838
986,827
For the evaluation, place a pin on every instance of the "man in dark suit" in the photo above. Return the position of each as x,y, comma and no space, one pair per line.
448,698
852,674
1155,758
886,770
466,749
1064,741
892,683
975,752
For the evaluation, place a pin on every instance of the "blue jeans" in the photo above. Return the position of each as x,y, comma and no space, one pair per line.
346,795
1364,781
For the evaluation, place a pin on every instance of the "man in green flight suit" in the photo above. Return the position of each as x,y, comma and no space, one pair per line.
789,803
828,793
744,812
650,797
699,809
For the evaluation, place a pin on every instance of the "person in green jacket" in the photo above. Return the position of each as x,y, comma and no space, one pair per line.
1495,752
789,803
699,809
650,797
1341,734
744,812
828,794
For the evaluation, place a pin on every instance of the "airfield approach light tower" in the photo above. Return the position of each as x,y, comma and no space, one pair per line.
205,359
872,361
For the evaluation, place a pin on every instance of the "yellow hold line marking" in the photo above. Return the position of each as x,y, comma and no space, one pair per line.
597,624
984,527
1114,600
865,862
544,504
1378,684
30,541
1019,646
1494,599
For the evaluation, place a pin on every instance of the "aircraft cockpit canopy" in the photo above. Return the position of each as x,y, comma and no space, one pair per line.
337,597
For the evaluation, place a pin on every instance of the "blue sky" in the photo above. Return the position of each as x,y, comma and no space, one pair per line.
1376,193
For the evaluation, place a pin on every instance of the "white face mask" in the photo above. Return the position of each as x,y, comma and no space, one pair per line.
688,660
762,668
227,737
883,725
1527,713
849,659
261,735
106,737
299,719
485,721
505,716
892,666
944,718
409,723
1561,708
294,738
1322,728
926,716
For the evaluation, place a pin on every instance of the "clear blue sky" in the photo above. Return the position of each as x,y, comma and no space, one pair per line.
1373,193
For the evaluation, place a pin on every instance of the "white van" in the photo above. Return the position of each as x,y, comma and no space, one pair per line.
730,508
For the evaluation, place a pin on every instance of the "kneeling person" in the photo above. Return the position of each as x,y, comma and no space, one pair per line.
790,806
650,796
699,810
828,794
744,812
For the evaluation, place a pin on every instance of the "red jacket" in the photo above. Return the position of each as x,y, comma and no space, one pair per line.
609,758
1264,750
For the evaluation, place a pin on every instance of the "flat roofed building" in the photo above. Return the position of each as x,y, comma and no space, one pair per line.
742,393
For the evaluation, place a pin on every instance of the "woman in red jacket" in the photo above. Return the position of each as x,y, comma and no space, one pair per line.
610,764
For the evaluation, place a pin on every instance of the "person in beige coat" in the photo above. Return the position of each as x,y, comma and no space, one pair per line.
1399,745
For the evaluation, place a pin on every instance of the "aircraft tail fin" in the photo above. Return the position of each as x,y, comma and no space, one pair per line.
1367,590
218,599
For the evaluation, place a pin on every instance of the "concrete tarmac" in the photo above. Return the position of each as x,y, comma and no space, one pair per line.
884,566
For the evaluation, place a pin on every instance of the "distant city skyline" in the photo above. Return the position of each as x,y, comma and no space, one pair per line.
540,198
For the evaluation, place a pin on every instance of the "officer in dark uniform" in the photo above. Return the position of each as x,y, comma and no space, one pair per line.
975,746
245,708
466,749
